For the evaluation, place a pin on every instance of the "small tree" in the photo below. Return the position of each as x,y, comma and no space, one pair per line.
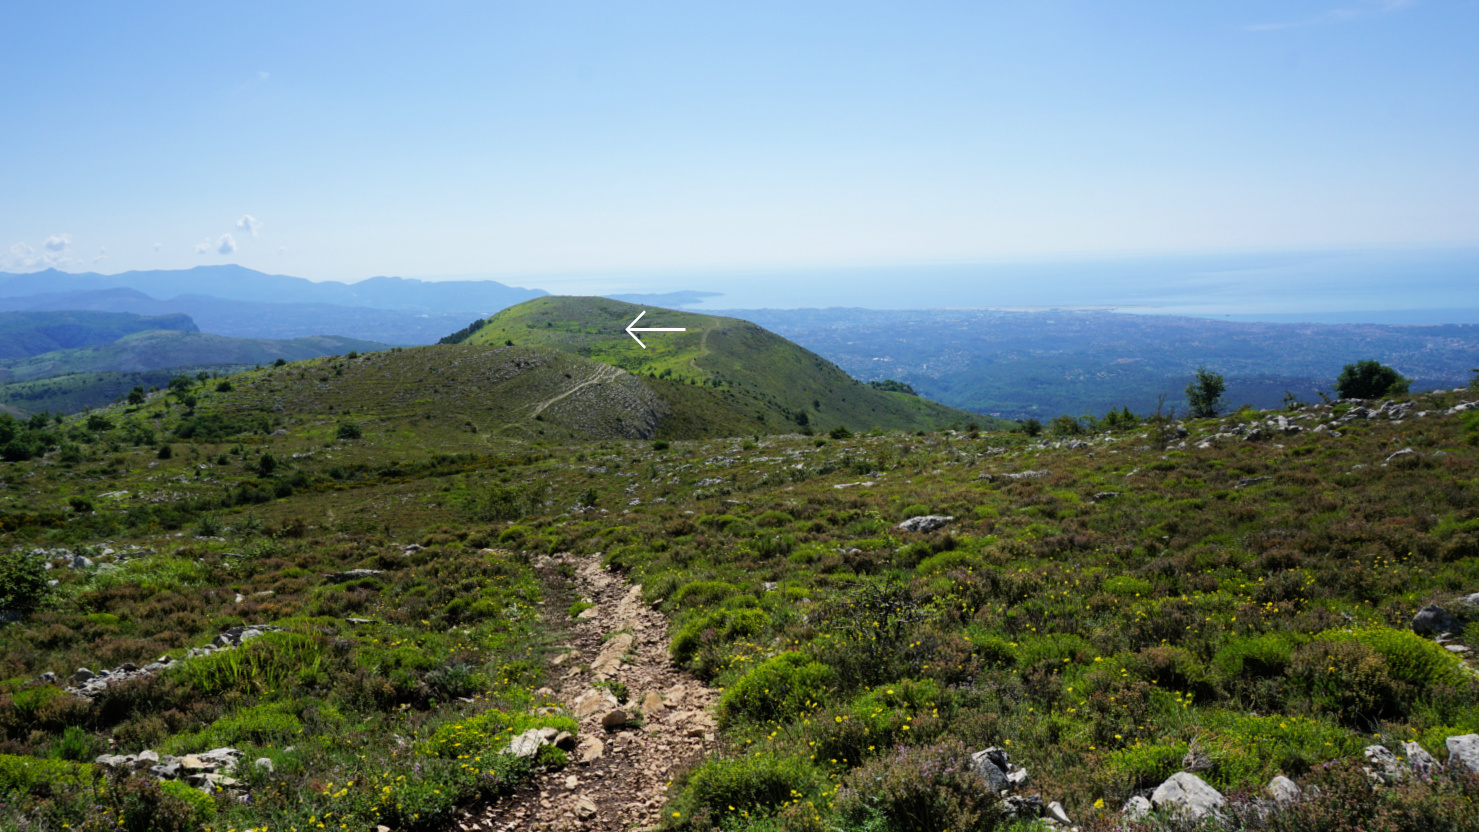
1204,394
1369,380
136,396
1031,427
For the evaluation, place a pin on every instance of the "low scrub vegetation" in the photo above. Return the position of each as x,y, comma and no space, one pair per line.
1107,605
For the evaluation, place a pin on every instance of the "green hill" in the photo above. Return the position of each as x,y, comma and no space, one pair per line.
751,371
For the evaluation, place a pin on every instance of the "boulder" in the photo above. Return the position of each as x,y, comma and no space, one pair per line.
1382,765
1021,807
1186,795
527,744
592,701
589,750
351,575
1433,620
1421,761
585,808
565,741
1055,811
265,764
651,702
991,765
1283,790
1136,808
1463,751
1406,456
614,719
925,523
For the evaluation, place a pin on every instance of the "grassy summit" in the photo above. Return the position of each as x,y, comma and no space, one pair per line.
749,370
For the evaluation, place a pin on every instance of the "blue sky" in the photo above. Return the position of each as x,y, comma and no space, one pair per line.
535,140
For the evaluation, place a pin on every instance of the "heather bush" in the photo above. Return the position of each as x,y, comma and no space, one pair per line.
918,790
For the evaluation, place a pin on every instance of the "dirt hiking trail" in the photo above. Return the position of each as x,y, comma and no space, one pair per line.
618,773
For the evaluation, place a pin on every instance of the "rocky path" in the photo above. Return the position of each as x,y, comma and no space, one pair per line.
628,751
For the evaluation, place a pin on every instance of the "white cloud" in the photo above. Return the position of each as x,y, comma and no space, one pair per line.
249,223
22,257
203,246
159,246
102,254
227,244
1363,8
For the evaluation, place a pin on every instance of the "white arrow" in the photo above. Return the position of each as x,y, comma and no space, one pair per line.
633,329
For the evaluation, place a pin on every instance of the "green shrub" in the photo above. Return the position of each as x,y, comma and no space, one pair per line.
1265,655
1370,379
35,775
759,784
76,745
272,663
349,430
1054,650
1127,586
23,584
726,625
264,724
840,432
1409,657
779,688
703,594
489,732
1347,680
947,562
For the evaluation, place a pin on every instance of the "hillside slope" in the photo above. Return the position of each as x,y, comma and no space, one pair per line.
24,334
161,349
754,372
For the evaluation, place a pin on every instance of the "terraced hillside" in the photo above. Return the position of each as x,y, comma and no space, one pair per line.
755,372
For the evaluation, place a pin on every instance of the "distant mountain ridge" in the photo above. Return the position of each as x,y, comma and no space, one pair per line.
250,319
470,298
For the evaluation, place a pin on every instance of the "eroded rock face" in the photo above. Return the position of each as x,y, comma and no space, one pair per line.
1186,795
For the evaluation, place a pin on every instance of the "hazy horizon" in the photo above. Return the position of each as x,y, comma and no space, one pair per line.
580,139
